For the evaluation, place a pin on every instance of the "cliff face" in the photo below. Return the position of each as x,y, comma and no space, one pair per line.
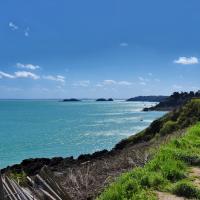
85,177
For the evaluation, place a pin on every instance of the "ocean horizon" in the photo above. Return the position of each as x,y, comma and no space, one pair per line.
33,128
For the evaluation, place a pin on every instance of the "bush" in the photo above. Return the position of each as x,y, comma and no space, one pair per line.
130,187
187,190
168,128
153,180
190,159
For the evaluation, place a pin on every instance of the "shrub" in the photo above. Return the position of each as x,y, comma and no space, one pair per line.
190,159
153,180
168,127
130,187
187,190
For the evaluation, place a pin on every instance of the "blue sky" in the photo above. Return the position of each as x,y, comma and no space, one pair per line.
98,48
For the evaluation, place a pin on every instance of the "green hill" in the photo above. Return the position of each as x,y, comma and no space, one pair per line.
170,169
178,119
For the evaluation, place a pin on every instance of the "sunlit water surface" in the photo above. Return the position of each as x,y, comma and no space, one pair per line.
30,128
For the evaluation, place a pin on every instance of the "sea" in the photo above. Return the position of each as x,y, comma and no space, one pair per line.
51,128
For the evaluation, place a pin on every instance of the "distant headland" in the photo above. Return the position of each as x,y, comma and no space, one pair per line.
148,98
174,101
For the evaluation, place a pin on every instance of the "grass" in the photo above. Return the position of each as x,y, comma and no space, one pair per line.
20,178
181,118
167,171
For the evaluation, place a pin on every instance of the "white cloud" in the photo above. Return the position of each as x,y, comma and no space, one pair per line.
143,83
13,26
25,74
109,82
84,83
141,78
57,78
6,75
19,74
27,66
177,87
187,60
123,44
124,83
26,32
150,74
99,85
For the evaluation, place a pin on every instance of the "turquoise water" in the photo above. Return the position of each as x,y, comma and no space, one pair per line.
30,128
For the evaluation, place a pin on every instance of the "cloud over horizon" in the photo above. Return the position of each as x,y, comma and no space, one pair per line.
83,83
57,78
113,82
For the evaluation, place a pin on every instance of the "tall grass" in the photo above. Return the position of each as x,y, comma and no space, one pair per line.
167,171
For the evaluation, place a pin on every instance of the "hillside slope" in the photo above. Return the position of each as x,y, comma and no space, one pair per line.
174,169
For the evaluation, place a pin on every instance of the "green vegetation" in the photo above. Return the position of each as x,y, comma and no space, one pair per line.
186,189
168,170
168,127
20,178
174,101
181,118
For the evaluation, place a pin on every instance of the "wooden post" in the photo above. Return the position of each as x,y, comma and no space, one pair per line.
1,188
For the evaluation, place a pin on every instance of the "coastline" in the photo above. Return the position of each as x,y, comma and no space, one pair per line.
87,176
102,132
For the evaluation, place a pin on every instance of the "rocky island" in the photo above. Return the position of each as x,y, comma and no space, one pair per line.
71,100
103,99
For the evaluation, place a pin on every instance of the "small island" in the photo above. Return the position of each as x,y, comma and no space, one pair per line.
71,100
103,99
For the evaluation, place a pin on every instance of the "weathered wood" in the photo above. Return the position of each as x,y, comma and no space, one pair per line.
1,188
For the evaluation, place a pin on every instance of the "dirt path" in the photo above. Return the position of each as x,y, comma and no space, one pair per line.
168,196
195,173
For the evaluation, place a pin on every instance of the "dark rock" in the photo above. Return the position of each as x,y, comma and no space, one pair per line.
103,99
97,154
146,109
71,100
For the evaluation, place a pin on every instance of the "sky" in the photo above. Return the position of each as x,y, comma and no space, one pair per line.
98,48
